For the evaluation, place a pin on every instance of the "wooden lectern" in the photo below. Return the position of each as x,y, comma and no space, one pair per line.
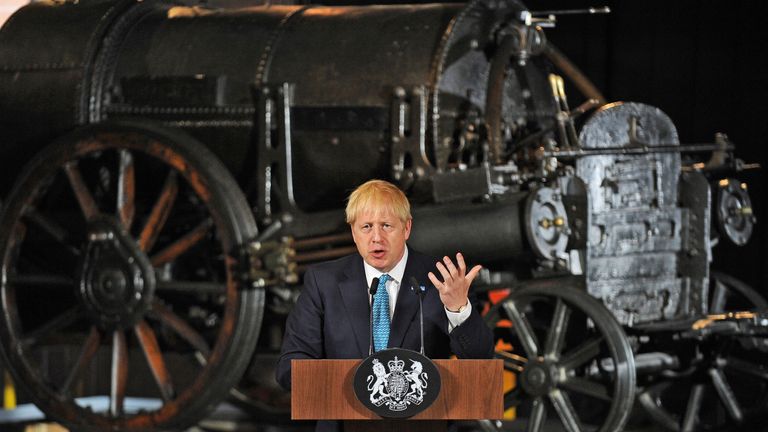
323,390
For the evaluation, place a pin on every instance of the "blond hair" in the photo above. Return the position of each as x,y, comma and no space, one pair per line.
378,196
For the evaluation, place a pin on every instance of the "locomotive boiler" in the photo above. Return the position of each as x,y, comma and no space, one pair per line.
170,169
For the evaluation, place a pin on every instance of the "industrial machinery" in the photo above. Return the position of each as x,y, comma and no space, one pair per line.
169,170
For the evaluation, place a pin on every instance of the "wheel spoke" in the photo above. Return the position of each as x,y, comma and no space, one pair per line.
87,352
182,245
587,387
582,354
155,359
119,374
192,287
42,280
513,367
60,322
538,416
718,298
181,327
565,410
160,212
692,410
512,361
56,231
557,330
727,397
126,189
650,401
523,328
83,195
746,367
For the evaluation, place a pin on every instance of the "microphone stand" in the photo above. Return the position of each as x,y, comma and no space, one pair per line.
372,291
419,290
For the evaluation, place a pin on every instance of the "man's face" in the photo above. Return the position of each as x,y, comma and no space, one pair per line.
380,238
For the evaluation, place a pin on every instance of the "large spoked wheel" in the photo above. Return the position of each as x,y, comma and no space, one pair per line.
722,383
573,361
124,301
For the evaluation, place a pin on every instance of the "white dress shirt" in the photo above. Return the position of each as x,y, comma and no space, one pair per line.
393,287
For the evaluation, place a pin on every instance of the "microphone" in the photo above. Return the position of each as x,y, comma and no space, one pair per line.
372,291
419,290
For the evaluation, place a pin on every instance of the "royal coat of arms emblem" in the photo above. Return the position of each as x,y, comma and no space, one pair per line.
397,383
398,387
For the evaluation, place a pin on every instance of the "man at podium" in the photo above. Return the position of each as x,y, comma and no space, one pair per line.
332,317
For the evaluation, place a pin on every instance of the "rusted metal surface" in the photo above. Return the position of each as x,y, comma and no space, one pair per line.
182,328
83,195
183,244
154,356
126,189
160,212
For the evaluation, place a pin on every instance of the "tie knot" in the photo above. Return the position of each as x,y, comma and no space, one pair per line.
383,280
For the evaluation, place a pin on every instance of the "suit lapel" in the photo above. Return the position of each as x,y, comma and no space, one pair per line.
354,294
407,306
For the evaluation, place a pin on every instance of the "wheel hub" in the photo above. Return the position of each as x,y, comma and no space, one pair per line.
117,281
538,378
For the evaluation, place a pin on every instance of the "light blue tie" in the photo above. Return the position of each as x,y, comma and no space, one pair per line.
381,315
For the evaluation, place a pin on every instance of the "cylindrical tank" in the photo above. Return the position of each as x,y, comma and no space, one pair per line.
203,70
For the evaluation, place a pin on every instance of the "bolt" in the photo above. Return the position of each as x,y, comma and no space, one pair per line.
101,236
537,377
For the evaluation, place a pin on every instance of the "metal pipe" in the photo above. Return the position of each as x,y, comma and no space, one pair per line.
324,254
322,240
584,84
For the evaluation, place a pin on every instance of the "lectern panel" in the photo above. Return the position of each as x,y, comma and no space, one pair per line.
323,390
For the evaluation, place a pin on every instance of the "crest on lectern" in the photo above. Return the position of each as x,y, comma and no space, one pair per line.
397,383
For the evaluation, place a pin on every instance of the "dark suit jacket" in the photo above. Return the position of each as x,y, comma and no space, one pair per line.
331,318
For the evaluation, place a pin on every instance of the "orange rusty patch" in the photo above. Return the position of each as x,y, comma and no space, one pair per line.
495,296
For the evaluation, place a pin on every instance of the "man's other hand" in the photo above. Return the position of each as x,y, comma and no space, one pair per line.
454,288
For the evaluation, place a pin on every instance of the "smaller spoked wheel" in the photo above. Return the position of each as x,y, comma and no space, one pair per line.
722,381
124,297
574,365
258,392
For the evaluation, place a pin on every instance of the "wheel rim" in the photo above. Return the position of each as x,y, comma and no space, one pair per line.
570,356
724,382
128,241
258,392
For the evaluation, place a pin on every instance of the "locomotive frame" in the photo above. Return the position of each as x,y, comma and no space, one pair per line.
468,124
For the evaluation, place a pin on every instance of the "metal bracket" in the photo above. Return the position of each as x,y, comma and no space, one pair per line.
408,127
275,170
271,263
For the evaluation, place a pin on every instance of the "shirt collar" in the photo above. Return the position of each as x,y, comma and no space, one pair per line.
396,274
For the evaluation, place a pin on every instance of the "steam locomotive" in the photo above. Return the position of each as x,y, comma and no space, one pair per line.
170,169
